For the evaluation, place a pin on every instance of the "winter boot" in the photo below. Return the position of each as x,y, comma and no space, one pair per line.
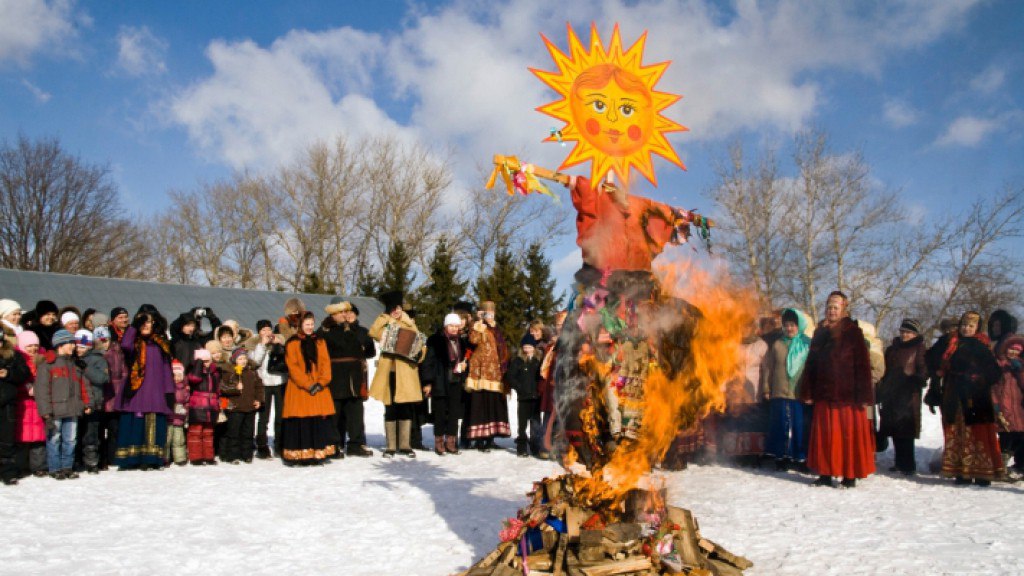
439,445
391,436
451,444
823,481
263,452
849,483
404,434
521,449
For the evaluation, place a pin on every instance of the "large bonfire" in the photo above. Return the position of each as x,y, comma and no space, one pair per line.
645,351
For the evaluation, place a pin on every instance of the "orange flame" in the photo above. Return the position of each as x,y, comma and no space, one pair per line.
674,402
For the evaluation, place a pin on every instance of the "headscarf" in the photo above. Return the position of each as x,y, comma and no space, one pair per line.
799,346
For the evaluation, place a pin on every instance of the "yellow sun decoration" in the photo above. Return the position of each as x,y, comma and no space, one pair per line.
610,107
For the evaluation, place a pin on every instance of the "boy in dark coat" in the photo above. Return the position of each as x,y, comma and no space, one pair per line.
244,393
97,372
523,376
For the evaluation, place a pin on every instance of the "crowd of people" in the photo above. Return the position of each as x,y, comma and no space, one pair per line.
85,391
826,403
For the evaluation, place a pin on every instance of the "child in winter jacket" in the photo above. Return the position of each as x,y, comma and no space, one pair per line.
176,448
95,369
243,390
62,396
118,373
30,434
203,408
523,376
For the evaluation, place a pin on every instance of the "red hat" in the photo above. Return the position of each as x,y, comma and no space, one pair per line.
177,367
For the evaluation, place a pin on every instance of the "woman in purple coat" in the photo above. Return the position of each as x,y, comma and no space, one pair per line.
145,399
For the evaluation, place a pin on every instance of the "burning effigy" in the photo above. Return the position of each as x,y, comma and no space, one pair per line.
646,348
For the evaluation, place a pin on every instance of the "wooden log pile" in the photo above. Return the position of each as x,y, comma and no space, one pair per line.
557,536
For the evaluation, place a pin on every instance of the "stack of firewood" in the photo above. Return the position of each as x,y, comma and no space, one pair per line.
557,536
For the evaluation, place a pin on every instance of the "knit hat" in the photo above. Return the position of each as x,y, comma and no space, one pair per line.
1018,346
214,347
44,307
452,319
84,338
69,317
100,319
7,306
910,325
27,338
61,337
261,324
338,304
117,311
528,340
203,355
177,367
101,333
238,353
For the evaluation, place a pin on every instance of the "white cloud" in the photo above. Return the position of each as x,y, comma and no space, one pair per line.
461,70
968,131
262,106
990,80
899,114
140,52
40,95
30,26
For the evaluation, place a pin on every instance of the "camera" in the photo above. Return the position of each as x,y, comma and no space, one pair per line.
200,312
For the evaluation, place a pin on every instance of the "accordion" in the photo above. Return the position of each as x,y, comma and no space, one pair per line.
402,342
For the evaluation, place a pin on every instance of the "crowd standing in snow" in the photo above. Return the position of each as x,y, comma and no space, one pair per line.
88,391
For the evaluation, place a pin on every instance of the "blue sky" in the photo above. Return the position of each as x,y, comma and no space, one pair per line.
174,93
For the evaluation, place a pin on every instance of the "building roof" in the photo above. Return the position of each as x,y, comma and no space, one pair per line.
103,294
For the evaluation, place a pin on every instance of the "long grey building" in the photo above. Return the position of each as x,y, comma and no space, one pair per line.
103,294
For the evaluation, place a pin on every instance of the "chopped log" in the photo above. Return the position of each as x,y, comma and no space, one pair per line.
687,538
491,559
553,489
504,570
720,553
724,568
617,567
539,561
563,543
622,532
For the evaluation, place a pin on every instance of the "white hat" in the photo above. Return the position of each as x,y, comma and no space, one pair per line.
68,317
83,337
7,306
452,319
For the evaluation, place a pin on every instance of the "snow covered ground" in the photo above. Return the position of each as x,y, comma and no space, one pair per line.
436,515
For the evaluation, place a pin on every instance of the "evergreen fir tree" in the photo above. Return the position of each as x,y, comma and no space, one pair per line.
505,286
540,286
441,290
397,275
368,283
313,285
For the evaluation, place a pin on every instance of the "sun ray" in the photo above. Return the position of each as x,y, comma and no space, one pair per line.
609,107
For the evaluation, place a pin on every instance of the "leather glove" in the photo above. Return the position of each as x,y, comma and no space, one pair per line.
315,389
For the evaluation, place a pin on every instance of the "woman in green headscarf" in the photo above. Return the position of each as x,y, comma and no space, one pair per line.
784,363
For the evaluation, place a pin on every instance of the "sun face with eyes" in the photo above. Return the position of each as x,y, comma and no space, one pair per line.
610,107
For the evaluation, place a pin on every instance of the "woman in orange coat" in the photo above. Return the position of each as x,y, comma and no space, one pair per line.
305,427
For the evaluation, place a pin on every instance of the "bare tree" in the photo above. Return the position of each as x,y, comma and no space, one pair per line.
754,211
61,214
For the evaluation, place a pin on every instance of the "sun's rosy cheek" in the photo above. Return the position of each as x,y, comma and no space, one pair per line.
634,133
593,127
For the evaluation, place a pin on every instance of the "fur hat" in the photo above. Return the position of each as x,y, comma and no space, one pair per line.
264,323
99,319
338,304
214,347
62,337
84,337
27,338
8,306
294,306
238,353
225,327
391,300
69,317
528,340
452,319
44,307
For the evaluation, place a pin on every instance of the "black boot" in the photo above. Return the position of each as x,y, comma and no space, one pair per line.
263,453
823,481
849,483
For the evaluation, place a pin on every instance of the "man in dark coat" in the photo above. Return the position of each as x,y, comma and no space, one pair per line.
899,394
443,374
348,345
187,336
